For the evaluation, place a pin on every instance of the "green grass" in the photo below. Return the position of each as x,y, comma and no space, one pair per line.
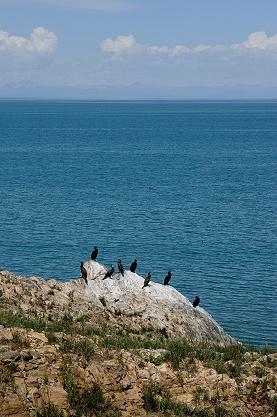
83,318
81,347
200,394
260,372
156,398
8,319
50,410
269,362
267,350
273,404
131,342
180,353
52,338
20,341
88,401
150,395
5,375
212,356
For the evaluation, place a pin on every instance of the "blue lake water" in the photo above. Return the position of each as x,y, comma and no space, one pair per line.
186,186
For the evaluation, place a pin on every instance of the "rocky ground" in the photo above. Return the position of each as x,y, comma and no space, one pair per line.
112,349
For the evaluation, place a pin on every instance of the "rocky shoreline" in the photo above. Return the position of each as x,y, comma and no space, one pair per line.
111,348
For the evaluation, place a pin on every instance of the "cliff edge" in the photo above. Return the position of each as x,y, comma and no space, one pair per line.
113,349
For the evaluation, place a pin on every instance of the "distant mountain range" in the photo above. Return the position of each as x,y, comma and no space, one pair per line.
135,91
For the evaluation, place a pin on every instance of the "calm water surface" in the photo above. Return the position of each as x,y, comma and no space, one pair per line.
186,186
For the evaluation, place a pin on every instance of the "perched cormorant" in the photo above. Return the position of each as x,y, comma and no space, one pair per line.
133,266
120,267
84,272
109,273
167,278
196,301
147,280
94,253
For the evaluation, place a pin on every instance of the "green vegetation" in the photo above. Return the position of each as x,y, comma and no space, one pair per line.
83,318
181,354
89,401
269,362
212,356
50,410
273,404
200,394
157,399
81,347
80,338
5,375
103,301
20,341
266,350
52,338
8,319
260,372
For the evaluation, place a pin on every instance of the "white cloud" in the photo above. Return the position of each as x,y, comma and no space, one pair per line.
121,45
17,52
128,44
257,41
180,50
156,50
40,42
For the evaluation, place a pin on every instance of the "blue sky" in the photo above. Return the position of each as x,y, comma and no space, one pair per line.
160,45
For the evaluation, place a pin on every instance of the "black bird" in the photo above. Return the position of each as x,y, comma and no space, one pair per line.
196,301
84,272
147,280
109,273
120,267
167,278
133,266
94,253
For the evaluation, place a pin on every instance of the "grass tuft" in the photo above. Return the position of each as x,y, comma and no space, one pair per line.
81,347
50,410
89,401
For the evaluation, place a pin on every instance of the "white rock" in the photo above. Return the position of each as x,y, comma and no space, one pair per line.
160,306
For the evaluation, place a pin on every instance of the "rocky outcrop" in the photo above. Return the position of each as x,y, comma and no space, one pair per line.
156,306
111,349
32,377
121,300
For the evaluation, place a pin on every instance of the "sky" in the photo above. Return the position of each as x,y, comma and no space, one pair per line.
138,48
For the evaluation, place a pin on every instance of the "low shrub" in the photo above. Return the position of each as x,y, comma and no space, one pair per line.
50,410
89,401
82,347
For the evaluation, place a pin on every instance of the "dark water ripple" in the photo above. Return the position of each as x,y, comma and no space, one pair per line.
186,186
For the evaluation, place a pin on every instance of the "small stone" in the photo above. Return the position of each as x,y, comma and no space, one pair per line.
27,356
7,355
